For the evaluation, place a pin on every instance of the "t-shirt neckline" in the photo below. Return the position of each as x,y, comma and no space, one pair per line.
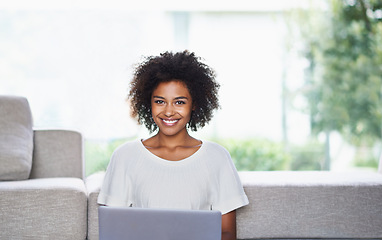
181,161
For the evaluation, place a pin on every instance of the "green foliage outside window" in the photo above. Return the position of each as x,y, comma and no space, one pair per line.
343,45
256,155
265,155
344,80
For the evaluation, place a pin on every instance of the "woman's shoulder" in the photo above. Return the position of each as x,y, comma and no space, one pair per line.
217,157
214,148
130,147
125,155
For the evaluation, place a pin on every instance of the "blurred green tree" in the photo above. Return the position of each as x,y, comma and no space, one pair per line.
343,45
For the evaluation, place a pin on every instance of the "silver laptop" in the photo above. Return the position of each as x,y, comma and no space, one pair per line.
158,224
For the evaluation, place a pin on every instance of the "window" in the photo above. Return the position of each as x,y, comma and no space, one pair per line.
73,61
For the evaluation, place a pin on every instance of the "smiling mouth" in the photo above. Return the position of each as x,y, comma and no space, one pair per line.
170,122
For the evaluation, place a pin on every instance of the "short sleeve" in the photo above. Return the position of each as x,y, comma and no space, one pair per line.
116,188
230,194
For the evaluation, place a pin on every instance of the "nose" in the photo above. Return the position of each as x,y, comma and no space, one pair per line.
169,111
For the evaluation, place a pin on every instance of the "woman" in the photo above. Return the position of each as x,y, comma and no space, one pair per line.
171,94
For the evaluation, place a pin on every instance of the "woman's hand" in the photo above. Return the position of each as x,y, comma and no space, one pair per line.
229,226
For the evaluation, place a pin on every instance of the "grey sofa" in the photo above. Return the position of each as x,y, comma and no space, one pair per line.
43,194
296,205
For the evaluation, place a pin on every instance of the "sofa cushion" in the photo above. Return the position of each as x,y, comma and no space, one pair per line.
44,208
311,205
16,138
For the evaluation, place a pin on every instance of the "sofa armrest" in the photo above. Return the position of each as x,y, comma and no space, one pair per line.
49,208
57,153
93,186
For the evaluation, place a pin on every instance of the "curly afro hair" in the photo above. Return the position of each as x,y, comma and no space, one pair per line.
181,66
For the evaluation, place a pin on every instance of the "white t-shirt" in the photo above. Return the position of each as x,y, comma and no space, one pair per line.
207,180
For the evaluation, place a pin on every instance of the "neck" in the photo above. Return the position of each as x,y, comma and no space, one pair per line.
181,139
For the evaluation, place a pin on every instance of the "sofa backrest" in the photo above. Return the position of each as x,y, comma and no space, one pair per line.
16,138
58,153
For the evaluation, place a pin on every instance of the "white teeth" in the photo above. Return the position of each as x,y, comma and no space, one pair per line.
170,121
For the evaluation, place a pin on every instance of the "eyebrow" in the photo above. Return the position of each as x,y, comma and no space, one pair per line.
177,98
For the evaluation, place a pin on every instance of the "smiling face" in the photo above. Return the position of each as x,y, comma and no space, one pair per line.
171,106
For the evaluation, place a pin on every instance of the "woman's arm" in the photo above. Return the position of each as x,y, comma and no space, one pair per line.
229,226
